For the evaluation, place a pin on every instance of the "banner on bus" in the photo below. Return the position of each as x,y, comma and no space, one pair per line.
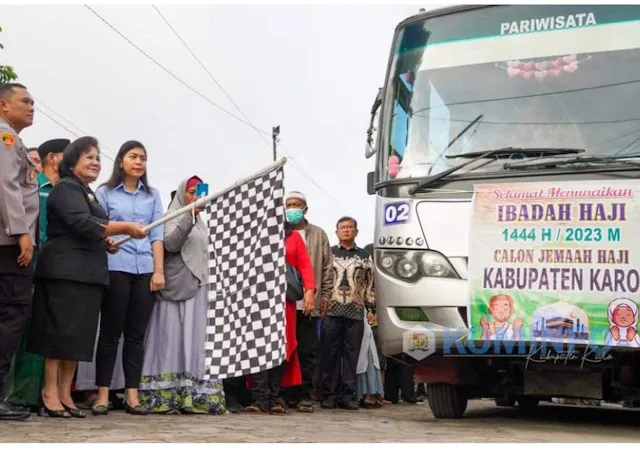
556,262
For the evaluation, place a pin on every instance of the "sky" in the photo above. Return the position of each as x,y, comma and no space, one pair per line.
312,69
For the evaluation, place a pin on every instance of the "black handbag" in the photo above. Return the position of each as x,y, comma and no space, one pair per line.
295,288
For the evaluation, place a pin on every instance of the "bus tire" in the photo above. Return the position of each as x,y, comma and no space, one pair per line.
528,402
446,401
508,400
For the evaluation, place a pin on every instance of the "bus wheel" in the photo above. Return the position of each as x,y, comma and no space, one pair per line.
528,402
507,400
446,401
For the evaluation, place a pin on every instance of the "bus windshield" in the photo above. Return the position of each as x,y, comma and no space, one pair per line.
540,76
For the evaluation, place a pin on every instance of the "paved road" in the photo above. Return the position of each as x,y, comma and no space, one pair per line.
483,422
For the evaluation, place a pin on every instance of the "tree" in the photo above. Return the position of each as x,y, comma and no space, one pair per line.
7,74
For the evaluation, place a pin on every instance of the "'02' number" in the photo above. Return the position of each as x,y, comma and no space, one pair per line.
396,213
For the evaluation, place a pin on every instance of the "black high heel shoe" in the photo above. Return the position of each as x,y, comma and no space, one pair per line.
75,412
137,410
55,413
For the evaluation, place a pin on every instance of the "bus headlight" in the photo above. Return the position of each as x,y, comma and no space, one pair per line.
413,265
436,265
386,262
407,268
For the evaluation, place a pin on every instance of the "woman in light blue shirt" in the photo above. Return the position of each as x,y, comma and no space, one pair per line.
136,273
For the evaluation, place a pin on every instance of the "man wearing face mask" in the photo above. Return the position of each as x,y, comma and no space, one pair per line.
306,328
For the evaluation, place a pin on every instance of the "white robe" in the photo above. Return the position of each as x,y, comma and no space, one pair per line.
504,333
368,345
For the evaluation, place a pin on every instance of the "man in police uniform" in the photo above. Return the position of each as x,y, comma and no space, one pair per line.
19,208
24,382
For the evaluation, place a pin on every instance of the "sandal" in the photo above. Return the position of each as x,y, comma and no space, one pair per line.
75,412
256,409
278,408
99,410
305,407
137,410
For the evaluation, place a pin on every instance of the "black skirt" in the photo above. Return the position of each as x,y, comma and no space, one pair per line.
64,320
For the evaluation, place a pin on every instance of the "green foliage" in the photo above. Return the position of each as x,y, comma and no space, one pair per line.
7,73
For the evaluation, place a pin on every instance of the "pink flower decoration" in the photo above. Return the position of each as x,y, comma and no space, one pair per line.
393,166
513,72
554,72
541,65
541,75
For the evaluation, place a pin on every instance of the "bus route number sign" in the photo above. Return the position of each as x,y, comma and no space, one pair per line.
396,213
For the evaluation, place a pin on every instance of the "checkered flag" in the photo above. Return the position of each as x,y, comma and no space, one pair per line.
247,281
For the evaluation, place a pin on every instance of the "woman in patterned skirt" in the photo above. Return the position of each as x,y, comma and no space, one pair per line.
173,370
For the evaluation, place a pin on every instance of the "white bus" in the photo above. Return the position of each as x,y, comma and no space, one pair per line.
492,94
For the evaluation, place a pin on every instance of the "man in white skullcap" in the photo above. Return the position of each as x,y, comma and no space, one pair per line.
307,335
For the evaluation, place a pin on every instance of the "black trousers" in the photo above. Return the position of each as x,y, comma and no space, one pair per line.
265,386
398,380
235,389
308,354
126,308
16,284
341,340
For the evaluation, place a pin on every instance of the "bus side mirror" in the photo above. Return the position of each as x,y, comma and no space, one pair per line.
370,181
370,148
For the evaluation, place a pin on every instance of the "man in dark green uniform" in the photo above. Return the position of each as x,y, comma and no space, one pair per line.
25,378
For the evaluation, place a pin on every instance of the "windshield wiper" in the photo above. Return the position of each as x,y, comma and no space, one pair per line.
510,151
573,161
467,128
454,140
478,156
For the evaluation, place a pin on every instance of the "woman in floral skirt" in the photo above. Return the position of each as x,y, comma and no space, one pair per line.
173,371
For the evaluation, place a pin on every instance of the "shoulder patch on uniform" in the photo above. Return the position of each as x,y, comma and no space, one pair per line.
8,140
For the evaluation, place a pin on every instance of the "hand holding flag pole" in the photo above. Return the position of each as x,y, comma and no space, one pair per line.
202,201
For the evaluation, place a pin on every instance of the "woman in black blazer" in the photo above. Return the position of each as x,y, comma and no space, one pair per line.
71,276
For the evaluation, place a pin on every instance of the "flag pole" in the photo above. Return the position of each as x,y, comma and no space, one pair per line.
204,200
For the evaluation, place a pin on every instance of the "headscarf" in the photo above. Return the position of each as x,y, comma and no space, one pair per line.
191,182
194,250
627,303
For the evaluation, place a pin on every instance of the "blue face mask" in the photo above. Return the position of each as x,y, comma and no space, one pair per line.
294,216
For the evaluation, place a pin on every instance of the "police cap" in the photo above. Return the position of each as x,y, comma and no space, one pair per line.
52,146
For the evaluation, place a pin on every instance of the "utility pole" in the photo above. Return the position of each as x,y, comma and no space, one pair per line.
275,132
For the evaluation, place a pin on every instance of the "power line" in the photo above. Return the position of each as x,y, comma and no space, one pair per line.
543,94
628,148
40,102
54,120
174,76
601,122
176,34
74,134
294,163
302,172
